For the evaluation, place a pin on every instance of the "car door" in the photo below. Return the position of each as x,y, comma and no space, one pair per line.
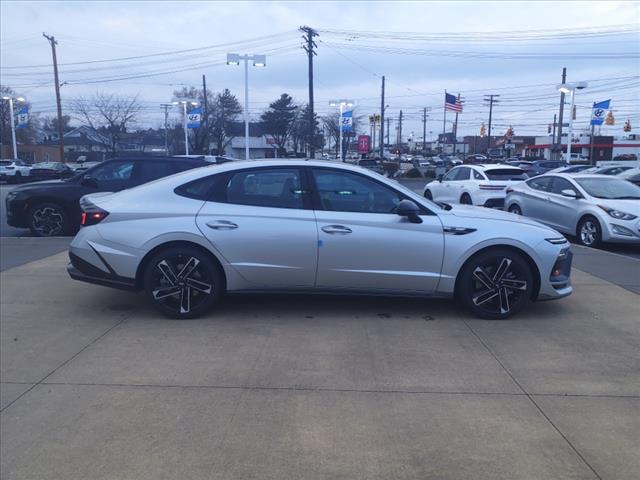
447,187
261,221
364,244
560,211
535,197
458,183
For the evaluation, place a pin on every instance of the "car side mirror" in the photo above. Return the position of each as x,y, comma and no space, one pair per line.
89,181
567,192
440,177
407,208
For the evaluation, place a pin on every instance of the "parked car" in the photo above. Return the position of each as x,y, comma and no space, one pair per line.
570,169
50,170
594,208
482,185
371,164
51,208
14,170
283,225
613,170
632,175
84,166
476,158
539,167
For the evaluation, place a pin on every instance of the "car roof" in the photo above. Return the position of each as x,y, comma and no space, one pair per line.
494,166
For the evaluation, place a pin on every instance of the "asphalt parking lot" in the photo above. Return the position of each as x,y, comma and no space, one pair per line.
96,385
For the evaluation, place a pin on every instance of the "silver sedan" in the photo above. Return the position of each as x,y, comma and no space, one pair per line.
594,208
310,226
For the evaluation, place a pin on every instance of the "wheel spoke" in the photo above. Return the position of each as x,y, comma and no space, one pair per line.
485,296
198,285
482,276
188,268
502,269
167,271
514,284
185,299
166,292
504,301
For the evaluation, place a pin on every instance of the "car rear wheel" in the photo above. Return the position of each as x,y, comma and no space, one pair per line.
47,220
428,195
495,284
183,282
465,199
515,209
589,232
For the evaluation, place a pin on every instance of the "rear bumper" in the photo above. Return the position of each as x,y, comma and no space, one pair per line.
81,270
494,203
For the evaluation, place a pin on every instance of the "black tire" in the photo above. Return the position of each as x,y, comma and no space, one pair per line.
428,195
196,289
589,232
495,284
514,208
48,220
465,199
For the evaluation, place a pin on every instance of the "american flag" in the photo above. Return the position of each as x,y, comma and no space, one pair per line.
452,103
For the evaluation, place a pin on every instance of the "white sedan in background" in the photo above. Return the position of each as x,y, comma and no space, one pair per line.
483,185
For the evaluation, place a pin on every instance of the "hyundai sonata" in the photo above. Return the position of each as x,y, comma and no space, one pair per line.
310,226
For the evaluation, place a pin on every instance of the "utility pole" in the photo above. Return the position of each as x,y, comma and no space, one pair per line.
424,131
53,43
309,48
560,116
400,135
206,116
166,107
382,108
553,135
388,127
491,99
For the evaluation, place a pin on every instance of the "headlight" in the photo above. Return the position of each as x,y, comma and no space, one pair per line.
556,240
618,214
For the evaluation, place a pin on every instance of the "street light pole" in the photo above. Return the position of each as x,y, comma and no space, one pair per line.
186,131
341,104
258,61
569,140
13,127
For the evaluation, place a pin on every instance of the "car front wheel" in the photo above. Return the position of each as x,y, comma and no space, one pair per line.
183,282
495,284
515,209
589,232
428,195
47,220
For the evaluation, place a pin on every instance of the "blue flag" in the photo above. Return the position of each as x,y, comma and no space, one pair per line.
193,118
346,122
599,111
23,117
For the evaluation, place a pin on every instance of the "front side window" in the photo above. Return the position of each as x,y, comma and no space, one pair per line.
463,174
341,191
266,187
113,171
542,184
451,175
560,184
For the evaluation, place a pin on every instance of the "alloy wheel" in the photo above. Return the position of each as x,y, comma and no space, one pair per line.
588,233
498,286
47,221
181,283
515,210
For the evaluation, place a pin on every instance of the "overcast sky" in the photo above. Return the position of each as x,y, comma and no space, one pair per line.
422,48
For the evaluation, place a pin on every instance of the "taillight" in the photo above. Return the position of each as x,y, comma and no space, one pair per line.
91,214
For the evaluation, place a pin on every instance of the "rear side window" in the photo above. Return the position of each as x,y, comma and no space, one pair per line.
477,175
153,170
266,187
540,183
200,189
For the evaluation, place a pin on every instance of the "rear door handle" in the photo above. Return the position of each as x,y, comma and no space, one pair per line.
221,225
336,229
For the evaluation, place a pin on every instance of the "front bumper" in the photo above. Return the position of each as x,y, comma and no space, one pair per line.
620,231
558,281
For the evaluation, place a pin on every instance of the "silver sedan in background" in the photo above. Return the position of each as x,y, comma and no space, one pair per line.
594,208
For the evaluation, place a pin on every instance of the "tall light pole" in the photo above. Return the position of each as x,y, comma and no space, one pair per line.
166,107
570,88
258,61
13,123
341,104
186,129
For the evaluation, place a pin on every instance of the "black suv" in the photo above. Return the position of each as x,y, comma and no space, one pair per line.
52,207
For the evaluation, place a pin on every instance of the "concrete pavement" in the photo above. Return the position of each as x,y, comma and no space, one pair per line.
95,385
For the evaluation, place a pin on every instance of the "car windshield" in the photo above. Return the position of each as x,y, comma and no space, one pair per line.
506,174
612,188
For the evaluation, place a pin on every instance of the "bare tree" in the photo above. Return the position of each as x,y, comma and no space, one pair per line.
331,123
108,115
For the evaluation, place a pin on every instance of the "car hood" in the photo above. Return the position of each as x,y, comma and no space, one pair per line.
44,183
483,213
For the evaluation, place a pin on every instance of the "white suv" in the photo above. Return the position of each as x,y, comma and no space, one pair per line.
13,170
483,185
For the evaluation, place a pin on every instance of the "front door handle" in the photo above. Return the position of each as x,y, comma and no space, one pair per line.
336,229
221,225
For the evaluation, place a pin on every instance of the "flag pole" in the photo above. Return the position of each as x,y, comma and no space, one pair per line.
444,119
